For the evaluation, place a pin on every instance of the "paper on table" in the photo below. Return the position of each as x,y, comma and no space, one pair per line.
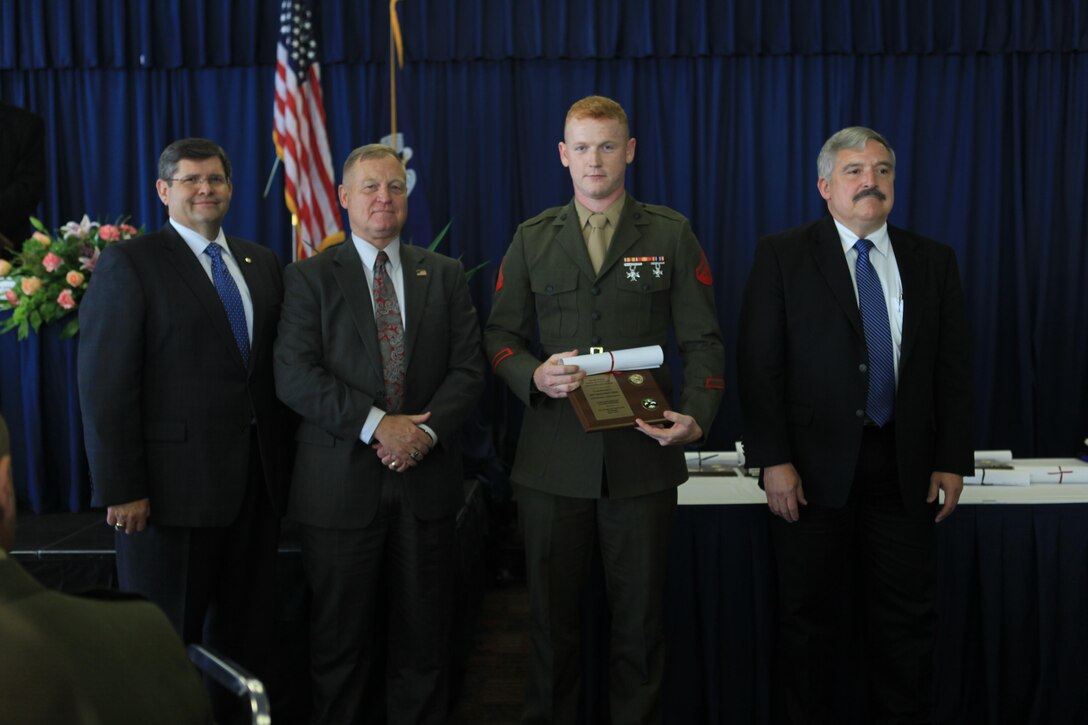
1003,456
634,358
1056,474
997,477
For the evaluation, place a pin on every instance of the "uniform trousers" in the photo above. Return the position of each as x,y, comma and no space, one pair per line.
856,584
560,536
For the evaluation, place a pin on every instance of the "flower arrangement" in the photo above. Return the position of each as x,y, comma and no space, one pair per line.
51,273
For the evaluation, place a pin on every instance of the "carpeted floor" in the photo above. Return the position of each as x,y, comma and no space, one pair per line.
494,684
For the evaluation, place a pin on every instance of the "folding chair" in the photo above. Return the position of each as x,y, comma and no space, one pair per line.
237,681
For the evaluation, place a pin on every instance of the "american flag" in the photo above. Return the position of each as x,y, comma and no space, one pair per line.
298,131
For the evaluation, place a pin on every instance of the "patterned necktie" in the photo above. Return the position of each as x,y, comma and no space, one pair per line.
598,243
390,334
231,298
878,337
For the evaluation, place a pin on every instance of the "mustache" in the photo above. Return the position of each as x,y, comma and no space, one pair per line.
871,191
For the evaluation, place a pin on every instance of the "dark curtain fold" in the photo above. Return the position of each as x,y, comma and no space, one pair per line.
987,116
140,33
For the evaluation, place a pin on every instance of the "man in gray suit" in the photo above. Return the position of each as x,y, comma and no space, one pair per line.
379,352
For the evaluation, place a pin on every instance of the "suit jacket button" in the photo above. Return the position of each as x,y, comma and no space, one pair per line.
859,413
594,291
596,340
549,289
862,368
595,315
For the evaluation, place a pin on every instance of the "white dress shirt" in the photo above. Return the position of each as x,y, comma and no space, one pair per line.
197,243
368,254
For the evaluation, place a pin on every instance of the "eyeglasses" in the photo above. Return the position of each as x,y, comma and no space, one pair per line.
216,181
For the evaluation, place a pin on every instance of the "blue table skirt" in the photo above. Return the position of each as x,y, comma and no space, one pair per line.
1012,636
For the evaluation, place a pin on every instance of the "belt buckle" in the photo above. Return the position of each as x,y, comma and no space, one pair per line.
596,350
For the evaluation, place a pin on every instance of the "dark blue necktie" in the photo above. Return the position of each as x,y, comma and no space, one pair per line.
878,337
232,299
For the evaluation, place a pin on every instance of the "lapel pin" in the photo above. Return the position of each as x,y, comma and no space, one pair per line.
421,273
249,260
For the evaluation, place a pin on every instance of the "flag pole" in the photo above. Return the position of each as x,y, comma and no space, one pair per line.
271,175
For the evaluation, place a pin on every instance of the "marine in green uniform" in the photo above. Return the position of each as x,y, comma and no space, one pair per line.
603,272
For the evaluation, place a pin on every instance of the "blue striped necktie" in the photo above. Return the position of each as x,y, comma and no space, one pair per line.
232,299
878,338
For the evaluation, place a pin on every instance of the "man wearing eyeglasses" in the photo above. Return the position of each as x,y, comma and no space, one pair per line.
184,433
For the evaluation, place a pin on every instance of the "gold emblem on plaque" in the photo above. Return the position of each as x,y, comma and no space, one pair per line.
636,379
649,403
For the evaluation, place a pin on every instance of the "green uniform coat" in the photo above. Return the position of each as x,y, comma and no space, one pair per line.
546,278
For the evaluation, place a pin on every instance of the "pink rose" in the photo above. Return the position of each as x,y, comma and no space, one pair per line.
65,300
31,285
52,262
12,297
129,230
5,267
109,232
41,238
74,278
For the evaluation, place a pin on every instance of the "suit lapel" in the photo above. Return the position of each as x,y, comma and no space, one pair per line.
417,279
911,276
348,270
196,279
829,258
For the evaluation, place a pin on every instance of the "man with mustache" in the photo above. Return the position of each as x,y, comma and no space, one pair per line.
855,384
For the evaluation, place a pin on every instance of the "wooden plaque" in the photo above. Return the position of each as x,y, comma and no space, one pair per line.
611,401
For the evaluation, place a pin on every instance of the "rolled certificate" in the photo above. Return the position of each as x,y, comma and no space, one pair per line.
617,361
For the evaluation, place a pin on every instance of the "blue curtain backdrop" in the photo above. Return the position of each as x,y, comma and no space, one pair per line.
986,104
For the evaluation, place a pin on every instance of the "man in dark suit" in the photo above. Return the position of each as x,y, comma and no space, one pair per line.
379,353
22,174
185,436
855,389
615,490
69,660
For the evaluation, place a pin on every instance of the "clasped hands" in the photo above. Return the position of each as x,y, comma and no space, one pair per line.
558,381
400,443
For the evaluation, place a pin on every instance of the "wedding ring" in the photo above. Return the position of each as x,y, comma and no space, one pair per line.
414,455
119,526
393,464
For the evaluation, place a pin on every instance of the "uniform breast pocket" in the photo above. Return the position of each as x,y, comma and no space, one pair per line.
556,295
644,300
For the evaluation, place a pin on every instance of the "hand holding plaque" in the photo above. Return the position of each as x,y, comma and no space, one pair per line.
618,388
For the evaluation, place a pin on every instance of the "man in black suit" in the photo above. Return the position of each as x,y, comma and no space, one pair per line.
22,174
185,436
379,353
69,660
855,389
